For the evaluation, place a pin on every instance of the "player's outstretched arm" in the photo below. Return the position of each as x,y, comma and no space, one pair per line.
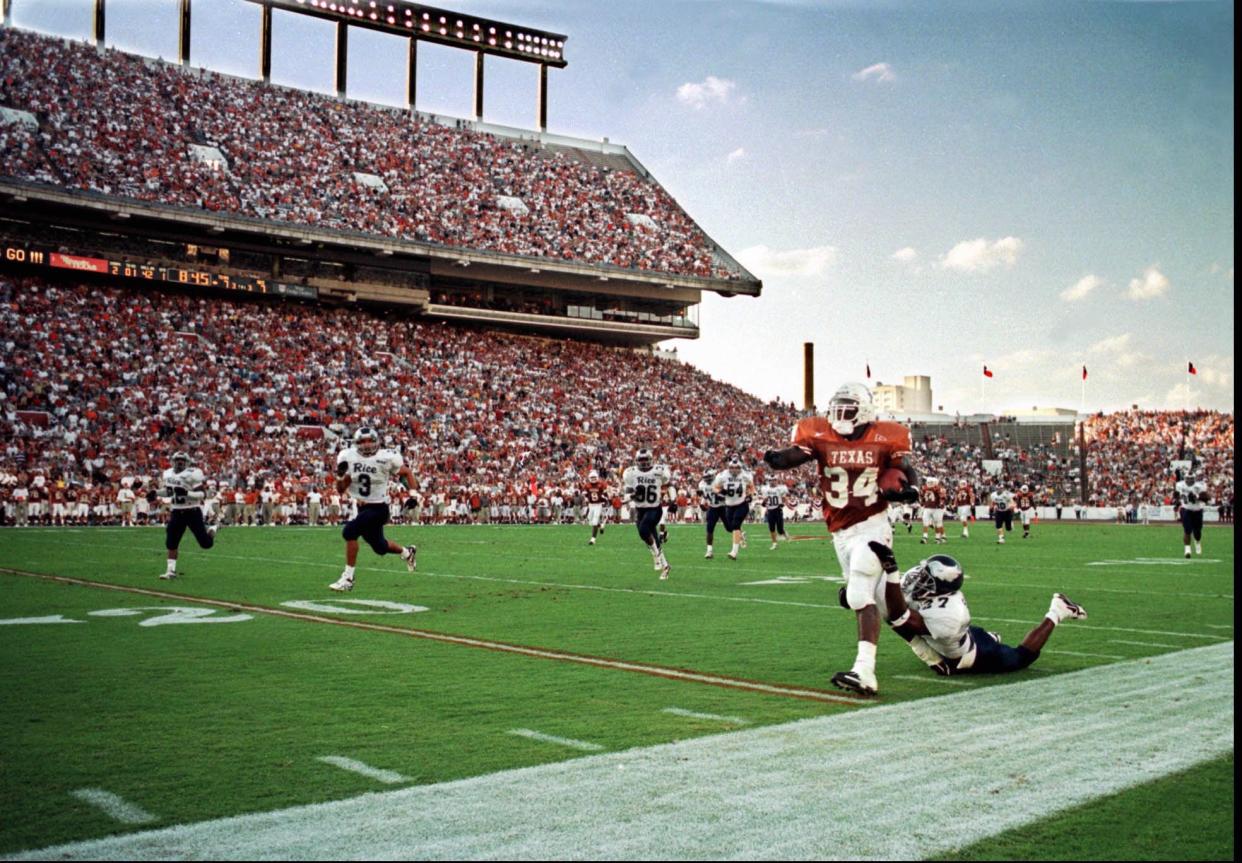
343,479
786,459
906,621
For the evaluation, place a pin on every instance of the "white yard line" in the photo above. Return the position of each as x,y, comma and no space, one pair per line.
115,807
1092,627
568,742
1144,643
1057,742
388,777
711,717
1219,625
932,677
1092,655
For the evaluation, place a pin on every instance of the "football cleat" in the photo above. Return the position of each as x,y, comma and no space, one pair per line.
169,576
408,556
1068,609
709,555
731,556
591,541
211,531
342,585
772,547
855,681
664,570
1001,540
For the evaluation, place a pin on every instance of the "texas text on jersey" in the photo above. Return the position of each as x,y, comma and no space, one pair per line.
848,469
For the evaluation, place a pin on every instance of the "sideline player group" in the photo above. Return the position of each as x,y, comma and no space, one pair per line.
863,467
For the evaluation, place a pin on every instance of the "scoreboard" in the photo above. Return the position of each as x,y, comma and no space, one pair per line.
188,276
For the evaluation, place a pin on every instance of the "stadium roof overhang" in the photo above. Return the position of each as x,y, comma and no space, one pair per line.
48,201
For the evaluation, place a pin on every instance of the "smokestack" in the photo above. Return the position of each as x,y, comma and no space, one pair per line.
808,376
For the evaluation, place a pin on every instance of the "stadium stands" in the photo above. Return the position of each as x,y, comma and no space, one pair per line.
122,125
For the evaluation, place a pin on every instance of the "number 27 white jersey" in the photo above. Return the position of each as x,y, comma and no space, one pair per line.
369,474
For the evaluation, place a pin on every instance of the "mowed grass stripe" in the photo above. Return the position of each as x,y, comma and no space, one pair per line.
1042,754
468,641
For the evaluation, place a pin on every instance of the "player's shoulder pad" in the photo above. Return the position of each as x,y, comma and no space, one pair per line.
807,428
886,430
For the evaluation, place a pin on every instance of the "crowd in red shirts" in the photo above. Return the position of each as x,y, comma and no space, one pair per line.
123,125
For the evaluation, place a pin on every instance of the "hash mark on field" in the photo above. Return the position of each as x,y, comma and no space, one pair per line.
1219,625
932,679
115,807
663,671
580,745
388,777
713,717
1144,643
1094,655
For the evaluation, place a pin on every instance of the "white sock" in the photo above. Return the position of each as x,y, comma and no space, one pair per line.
1198,547
348,573
735,548
709,549
1187,549
965,532
866,657
172,565
1054,616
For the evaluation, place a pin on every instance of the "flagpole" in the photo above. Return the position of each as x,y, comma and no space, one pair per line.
1186,372
1082,406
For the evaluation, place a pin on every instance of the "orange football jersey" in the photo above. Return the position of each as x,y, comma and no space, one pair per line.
848,469
596,492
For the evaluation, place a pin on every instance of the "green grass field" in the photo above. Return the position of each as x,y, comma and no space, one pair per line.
230,712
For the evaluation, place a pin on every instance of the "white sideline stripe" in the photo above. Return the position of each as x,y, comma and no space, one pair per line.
712,717
1143,643
714,797
388,777
932,678
1094,655
1219,625
115,807
1089,627
580,745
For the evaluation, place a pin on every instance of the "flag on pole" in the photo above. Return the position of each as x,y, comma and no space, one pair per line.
1084,373
1190,369
987,373
868,371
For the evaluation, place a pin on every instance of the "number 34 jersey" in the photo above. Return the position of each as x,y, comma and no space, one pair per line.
849,470
369,474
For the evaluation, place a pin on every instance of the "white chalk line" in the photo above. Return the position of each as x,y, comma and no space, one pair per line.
568,742
1144,643
1092,655
503,647
388,777
114,806
710,717
1091,627
932,677
713,797
1219,625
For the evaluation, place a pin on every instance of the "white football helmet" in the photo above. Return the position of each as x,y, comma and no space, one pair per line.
181,461
930,480
593,475
735,465
961,483
939,575
366,441
850,408
1025,488
644,459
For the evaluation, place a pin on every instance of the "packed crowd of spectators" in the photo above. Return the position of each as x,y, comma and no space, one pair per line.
99,386
123,125
101,383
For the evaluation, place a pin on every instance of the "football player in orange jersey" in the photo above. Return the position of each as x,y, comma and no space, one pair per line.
596,493
851,450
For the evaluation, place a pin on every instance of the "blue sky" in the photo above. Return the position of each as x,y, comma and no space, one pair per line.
926,187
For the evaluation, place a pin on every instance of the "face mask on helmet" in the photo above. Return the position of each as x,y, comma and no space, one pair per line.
366,442
180,462
939,575
850,408
643,459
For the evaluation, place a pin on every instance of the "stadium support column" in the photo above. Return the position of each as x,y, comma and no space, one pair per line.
543,97
183,43
808,377
478,86
342,57
1084,483
99,23
8,12
265,44
411,75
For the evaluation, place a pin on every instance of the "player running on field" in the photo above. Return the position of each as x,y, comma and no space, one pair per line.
643,485
851,450
182,493
1002,512
925,606
737,487
1025,501
773,495
964,498
712,505
933,501
1192,494
364,471
595,492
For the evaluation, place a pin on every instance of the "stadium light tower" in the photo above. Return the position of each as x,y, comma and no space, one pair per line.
419,23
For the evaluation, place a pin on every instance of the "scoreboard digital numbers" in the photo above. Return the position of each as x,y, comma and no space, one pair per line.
19,254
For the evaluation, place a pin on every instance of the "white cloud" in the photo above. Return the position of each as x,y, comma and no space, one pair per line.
710,91
736,155
881,73
905,255
1112,344
1081,288
1153,284
979,256
767,262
